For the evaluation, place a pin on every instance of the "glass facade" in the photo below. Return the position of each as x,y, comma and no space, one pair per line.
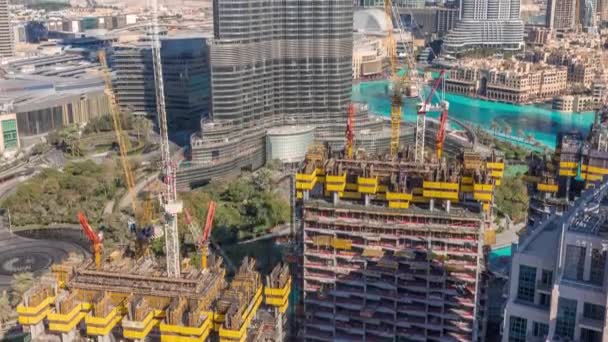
598,263
540,329
574,263
527,283
566,318
588,335
9,134
594,311
517,329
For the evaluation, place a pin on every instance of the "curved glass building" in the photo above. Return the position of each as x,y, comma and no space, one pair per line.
487,23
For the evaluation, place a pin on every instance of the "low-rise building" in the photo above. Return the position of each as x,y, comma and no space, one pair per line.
9,142
508,81
573,103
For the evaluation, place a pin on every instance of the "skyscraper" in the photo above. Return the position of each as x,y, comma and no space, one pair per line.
487,23
272,63
6,37
561,14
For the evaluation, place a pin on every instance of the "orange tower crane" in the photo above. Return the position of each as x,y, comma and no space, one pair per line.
202,238
350,131
440,138
96,239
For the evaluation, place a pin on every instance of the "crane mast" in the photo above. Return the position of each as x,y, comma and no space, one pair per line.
400,83
168,198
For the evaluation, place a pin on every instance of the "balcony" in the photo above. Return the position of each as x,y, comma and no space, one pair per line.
591,324
544,287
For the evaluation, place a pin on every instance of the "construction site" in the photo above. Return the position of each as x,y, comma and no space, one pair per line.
578,163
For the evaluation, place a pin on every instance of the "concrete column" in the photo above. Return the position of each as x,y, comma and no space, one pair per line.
336,197
37,330
553,311
305,195
69,336
587,267
431,204
366,199
448,205
107,338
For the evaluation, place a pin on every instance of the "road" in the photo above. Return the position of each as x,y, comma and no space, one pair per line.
279,231
18,254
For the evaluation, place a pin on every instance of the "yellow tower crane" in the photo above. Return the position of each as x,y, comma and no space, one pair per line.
143,214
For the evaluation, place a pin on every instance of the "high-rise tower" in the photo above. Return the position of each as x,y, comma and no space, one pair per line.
487,23
272,63
561,14
6,37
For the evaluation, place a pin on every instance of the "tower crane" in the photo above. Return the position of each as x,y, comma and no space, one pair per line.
350,131
168,199
142,213
440,137
426,106
203,238
95,239
400,84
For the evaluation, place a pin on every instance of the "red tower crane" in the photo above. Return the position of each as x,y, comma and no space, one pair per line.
96,239
443,122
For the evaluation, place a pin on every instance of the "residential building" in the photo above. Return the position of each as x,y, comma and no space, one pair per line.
558,288
573,103
6,35
508,81
410,266
561,14
10,136
537,36
486,23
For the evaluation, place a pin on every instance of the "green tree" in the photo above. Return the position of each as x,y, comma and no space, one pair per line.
142,127
511,198
20,284
507,129
520,133
6,310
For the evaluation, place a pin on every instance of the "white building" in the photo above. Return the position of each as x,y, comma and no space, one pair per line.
559,289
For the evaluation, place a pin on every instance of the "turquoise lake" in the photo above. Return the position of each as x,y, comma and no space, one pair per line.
539,121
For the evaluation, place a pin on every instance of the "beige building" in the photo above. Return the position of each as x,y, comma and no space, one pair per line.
508,81
573,103
368,54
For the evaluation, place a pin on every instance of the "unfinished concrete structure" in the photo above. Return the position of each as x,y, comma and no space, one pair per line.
393,250
135,301
578,163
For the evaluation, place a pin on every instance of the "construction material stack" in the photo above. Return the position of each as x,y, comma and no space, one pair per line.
238,305
394,248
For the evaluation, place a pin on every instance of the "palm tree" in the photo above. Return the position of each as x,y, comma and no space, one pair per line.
142,127
520,133
6,311
529,138
494,126
507,129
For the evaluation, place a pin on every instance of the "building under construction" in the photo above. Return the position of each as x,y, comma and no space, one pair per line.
578,163
137,301
393,250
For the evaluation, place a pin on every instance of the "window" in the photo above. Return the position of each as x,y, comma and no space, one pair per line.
590,335
566,317
545,300
9,133
540,329
598,261
546,277
594,311
517,329
527,283
575,262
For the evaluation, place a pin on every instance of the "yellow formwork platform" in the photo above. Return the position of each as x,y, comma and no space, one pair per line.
398,205
568,165
101,326
466,188
335,183
466,180
367,185
278,297
495,165
138,330
32,315
306,181
595,169
350,195
567,172
440,190
240,335
177,333
591,177
398,196
483,187
482,196
64,323
546,187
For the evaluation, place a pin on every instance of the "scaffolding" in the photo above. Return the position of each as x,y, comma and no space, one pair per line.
136,300
393,248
